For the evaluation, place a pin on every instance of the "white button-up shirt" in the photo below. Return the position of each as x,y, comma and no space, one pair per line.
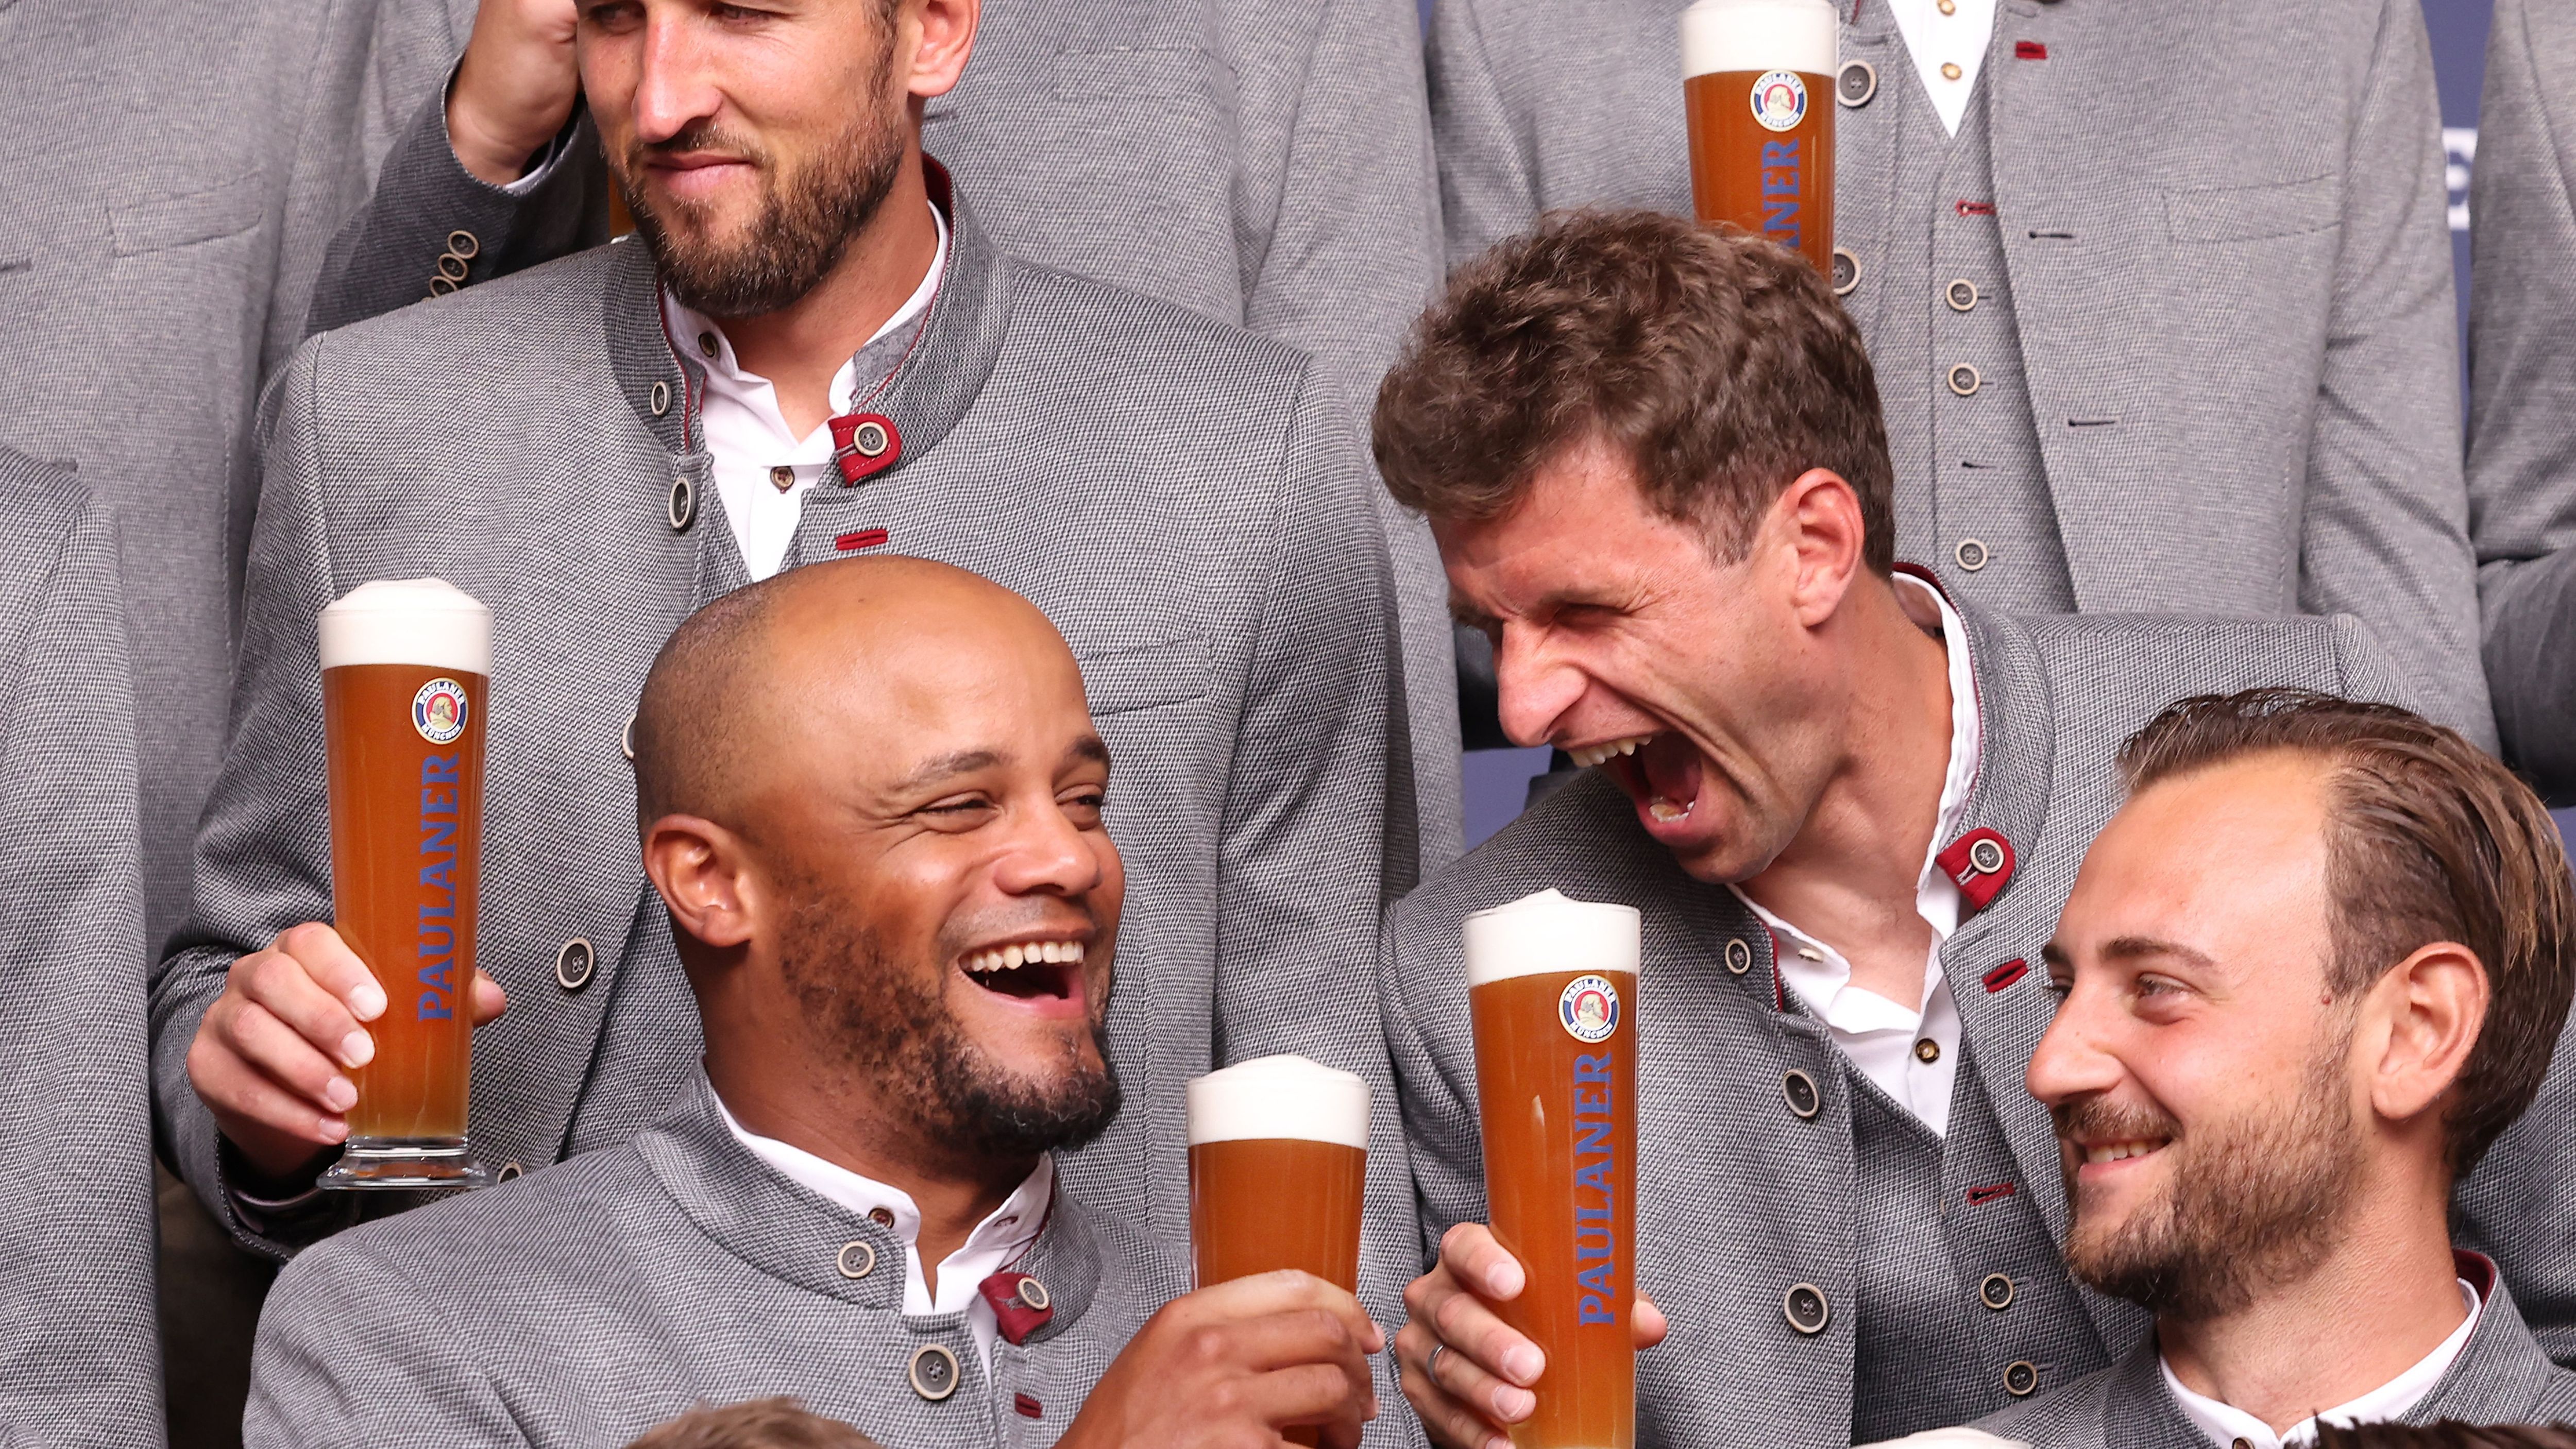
2225,1424
1957,38
1878,1035
742,425
997,1242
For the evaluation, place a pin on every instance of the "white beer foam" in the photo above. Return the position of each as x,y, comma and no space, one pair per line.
1547,932
408,621
1729,35
1279,1096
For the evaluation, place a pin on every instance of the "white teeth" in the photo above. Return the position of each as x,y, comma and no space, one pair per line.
2118,1151
1031,953
1664,809
1591,755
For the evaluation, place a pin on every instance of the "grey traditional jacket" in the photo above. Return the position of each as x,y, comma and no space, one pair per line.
2500,1377
1182,498
78,1339
173,176
1747,1185
2522,385
1262,163
588,1303
2205,241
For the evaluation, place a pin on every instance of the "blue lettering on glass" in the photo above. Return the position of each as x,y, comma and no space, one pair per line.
1596,1166
437,931
1782,179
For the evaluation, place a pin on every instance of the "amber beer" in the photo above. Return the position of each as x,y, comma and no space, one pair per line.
405,666
1758,89
1552,992
1278,1171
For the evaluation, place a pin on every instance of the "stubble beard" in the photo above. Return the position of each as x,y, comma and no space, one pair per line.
807,217
892,1032
2254,1205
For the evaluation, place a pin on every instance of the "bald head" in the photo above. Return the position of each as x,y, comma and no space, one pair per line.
814,658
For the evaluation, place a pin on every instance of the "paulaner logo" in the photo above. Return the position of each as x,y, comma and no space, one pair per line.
1596,1166
441,784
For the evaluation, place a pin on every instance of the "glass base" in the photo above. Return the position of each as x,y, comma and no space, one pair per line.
405,1164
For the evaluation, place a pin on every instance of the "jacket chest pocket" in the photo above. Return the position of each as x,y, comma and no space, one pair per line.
1145,676
160,223
2200,214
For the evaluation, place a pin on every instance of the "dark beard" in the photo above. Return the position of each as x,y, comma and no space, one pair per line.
895,1033
806,223
2254,1204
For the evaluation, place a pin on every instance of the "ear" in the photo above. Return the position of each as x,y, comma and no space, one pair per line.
705,875
2422,1020
1818,517
940,35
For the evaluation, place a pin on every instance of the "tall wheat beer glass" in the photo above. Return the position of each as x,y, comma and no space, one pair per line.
404,670
1278,1169
1552,991
1758,87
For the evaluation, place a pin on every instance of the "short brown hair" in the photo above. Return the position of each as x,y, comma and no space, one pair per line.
1718,361
754,1424
2428,839
2448,1434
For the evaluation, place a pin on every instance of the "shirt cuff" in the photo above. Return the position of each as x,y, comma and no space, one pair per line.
546,160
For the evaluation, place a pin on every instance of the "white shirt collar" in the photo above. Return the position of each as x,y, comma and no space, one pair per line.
995,1244
2226,1425
1959,37
746,432
1880,1036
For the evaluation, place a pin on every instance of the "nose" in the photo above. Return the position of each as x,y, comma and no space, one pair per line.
2074,1059
1048,855
1534,687
672,87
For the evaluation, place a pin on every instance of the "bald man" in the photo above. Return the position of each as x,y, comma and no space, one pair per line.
901,956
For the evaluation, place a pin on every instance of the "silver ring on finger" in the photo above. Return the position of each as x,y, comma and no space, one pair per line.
1431,1365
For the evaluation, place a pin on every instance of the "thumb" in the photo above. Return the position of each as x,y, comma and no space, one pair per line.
1647,1324
489,1001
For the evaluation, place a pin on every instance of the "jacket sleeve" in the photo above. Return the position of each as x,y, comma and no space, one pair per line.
79,1358
352,1354
2522,390
1421,992
262,854
2385,532
1486,190
1353,259
431,226
1312,831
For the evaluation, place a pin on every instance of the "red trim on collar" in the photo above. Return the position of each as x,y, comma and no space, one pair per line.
1026,1407
856,466
1991,1192
2006,974
1977,887
2478,1269
864,538
1918,571
1779,991
1012,1313
2029,50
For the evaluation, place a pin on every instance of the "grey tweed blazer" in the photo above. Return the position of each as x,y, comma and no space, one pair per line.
1184,499
2226,244
1261,162
173,176
577,1308
79,1362
1739,1198
2500,1377
2522,385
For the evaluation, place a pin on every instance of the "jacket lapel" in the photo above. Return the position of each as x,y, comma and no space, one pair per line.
2055,69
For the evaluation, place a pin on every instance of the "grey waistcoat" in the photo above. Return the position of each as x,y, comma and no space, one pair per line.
581,1306
1956,1310
1972,489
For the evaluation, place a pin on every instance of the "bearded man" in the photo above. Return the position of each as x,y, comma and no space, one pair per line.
2313,968
901,955
592,448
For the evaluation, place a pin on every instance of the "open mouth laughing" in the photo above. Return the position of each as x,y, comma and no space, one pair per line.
1040,972
1660,773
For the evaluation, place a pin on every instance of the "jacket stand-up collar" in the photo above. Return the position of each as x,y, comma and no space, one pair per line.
793,1235
931,388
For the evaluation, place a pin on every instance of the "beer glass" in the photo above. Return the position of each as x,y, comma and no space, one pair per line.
1552,996
1278,1169
404,669
1758,88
